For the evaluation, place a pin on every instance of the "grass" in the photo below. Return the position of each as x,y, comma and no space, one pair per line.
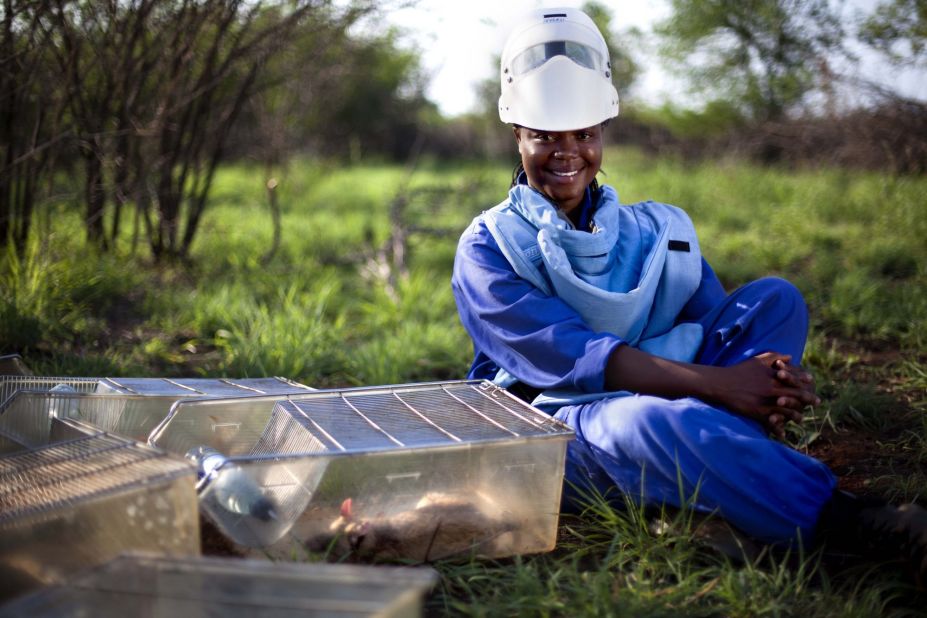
331,306
851,241
610,563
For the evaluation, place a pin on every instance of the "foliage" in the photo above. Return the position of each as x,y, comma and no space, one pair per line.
862,406
149,89
625,69
30,117
143,97
375,74
836,235
763,55
898,28
716,118
325,84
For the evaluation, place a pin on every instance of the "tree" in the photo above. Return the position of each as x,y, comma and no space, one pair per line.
898,28
766,56
31,116
144,94
624,67
369,100
101,60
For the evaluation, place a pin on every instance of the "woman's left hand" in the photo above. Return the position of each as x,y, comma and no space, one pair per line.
794,377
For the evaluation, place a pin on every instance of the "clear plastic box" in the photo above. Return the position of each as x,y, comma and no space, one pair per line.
232,588
13,364
130,407
87,499
417,472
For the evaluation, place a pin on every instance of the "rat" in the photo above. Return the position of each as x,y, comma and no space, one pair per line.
439,525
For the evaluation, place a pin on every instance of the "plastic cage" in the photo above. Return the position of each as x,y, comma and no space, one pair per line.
86,499
135,585
13,364
414,472
130,407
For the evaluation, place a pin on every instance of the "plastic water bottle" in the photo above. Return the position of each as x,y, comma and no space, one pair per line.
232,488
206,458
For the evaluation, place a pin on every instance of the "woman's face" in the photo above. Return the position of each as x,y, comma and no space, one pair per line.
561,164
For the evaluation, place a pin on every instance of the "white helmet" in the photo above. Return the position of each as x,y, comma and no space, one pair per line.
556,73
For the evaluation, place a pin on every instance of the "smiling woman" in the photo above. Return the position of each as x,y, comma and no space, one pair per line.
561,164
607,317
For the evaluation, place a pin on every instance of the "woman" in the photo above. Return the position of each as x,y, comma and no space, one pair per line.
608,318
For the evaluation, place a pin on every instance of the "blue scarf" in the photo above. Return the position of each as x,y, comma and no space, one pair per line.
630,276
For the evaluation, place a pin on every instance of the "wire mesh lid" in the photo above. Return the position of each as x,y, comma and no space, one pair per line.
178,387
435,414
194,387
38,481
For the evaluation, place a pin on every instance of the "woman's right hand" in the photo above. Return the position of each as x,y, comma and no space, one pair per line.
765,388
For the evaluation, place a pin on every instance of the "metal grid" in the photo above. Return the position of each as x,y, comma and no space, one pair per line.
411,416
43,479
200,387
285,434
10,385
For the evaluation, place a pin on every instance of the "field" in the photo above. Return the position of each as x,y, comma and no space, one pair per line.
356,293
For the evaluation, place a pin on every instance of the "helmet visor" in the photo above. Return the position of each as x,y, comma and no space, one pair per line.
535,56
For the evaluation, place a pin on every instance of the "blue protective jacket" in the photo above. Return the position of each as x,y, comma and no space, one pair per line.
522,319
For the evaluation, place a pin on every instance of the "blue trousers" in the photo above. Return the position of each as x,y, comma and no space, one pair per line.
662,451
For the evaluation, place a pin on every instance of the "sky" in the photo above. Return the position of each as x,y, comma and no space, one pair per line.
459,39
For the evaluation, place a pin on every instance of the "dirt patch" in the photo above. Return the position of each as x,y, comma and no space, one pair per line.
863,462
214,543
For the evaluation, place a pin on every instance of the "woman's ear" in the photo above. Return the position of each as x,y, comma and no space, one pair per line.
517,131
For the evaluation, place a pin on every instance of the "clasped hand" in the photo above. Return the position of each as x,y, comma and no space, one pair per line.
769,389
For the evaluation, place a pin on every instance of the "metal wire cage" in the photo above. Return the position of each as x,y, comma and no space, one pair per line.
84,500
433,469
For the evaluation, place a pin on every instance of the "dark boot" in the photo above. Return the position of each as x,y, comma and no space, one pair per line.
876,530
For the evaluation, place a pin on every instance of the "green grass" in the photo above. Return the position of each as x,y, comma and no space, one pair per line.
329,307
610,563
852,242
